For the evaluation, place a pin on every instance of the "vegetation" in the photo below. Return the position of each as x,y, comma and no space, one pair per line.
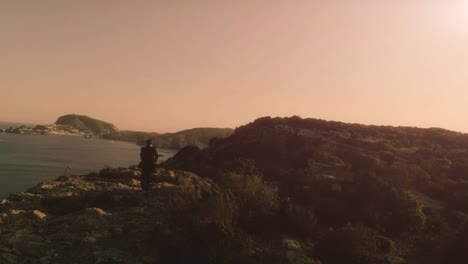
284,190
354,244
374,194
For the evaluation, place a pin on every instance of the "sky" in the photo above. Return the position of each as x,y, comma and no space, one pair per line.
165,66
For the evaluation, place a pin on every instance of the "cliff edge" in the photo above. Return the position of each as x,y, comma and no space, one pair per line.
106,218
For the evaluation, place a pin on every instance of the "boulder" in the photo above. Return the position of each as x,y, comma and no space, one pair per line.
36,214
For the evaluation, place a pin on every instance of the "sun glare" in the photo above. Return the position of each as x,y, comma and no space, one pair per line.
462,13
454,16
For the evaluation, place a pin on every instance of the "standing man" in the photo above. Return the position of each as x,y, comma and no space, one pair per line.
148,156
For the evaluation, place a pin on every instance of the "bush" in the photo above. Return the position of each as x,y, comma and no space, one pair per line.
297,220
401,175
390,210
257,199
200,243
251,190
456,250
353,244
408,215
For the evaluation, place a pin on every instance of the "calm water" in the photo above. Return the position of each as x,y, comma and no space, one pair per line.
27,160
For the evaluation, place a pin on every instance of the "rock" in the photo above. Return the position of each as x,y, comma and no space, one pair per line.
108,219
36,214
13,216
295,254
49,185
134,183
96,212
16,212
21,201
22,196
291,244
161,175
89,239
3,217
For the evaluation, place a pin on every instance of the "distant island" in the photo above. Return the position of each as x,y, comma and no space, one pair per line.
80,125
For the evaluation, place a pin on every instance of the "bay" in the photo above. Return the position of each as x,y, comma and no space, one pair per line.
26,160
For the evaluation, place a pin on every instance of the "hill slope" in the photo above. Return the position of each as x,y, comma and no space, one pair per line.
106,218
405,184
86,124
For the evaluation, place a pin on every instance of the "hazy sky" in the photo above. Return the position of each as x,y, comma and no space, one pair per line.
170,65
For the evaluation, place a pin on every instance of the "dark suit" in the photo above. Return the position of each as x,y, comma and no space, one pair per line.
148,156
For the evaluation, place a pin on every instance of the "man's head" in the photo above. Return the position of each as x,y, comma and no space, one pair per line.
149,142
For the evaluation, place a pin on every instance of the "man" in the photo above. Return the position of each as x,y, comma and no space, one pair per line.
148,156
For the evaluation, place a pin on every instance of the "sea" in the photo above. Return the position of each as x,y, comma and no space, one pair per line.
26,160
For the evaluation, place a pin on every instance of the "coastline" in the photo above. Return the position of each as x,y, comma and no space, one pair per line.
87,127
26,160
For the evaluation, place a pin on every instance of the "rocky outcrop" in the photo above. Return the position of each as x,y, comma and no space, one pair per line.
86,124
106,218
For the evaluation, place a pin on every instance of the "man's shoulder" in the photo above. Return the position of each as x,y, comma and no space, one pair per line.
146,148
149,148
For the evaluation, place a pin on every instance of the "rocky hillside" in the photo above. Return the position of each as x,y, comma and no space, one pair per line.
405,185
86,124
105,218
199,137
